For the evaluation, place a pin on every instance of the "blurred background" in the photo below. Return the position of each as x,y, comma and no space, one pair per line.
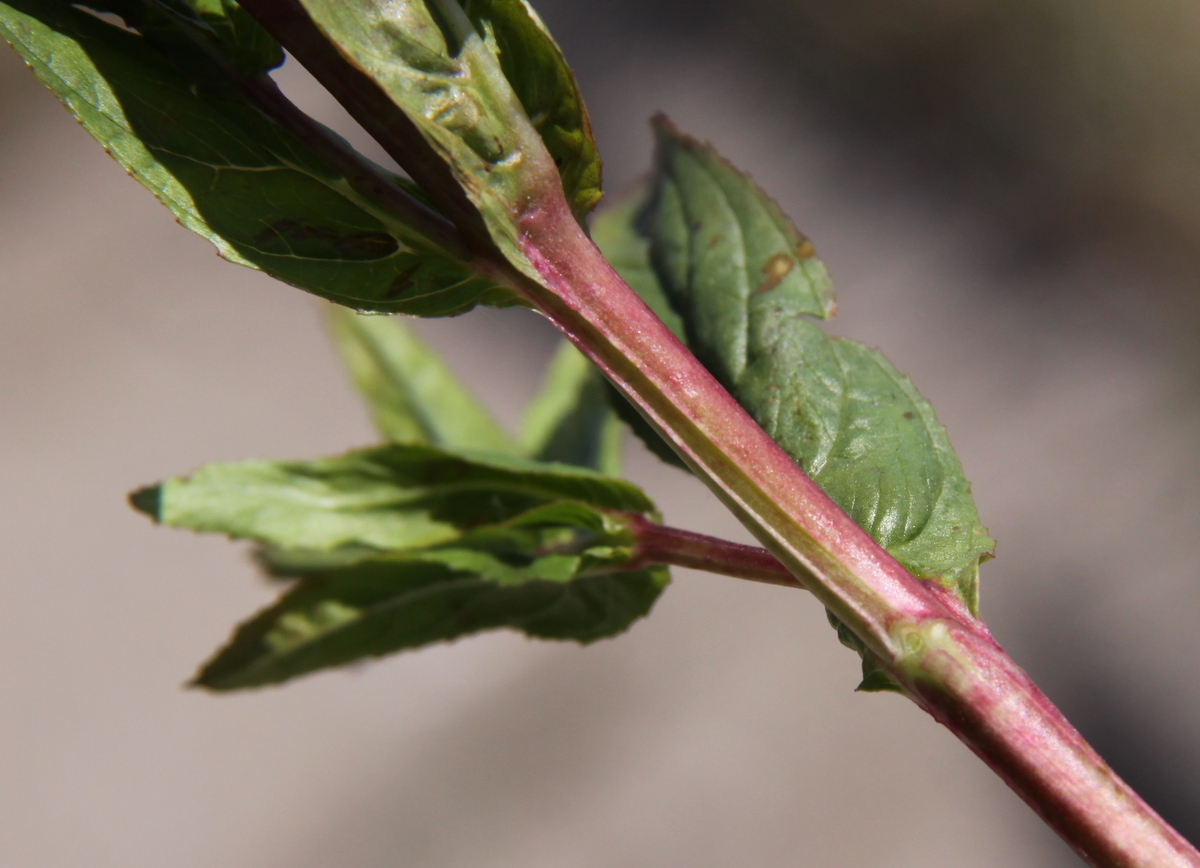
1007,193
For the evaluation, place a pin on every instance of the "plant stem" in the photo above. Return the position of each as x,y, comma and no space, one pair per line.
1002,716
378,191
943,657
659,544
371,107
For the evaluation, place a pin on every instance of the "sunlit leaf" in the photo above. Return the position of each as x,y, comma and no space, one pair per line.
743,283
443,73
387,497
534,66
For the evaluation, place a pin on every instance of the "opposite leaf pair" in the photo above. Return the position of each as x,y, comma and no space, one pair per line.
450,529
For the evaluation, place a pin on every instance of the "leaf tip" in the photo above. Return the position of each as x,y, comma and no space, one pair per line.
210,679
148,500
668,134
877,680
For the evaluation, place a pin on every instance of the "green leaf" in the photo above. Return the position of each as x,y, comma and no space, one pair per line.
191,31
724,252
535,67
569,420
178,122
744,282
252,49
390,604
400,546
412,395
444,75
387,497
555,541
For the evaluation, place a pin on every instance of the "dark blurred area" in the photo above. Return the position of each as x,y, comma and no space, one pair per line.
1008,197
1073,124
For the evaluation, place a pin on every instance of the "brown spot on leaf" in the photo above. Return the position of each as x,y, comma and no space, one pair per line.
909,414
776,269
805,250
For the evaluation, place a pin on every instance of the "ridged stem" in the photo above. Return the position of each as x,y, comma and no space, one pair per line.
659,544
964,680
944,658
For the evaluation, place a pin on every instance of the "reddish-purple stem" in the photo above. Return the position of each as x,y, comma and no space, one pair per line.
943,657
974,689
659,544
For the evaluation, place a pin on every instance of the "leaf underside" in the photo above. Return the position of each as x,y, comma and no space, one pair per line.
742,285
398,546
177,121
383,606
535,67
386,497
489,92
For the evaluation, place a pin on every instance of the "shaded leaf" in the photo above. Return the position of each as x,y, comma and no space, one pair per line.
252,49
191,31
413,396
744,282
179,124
569,419
386,497
390,604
